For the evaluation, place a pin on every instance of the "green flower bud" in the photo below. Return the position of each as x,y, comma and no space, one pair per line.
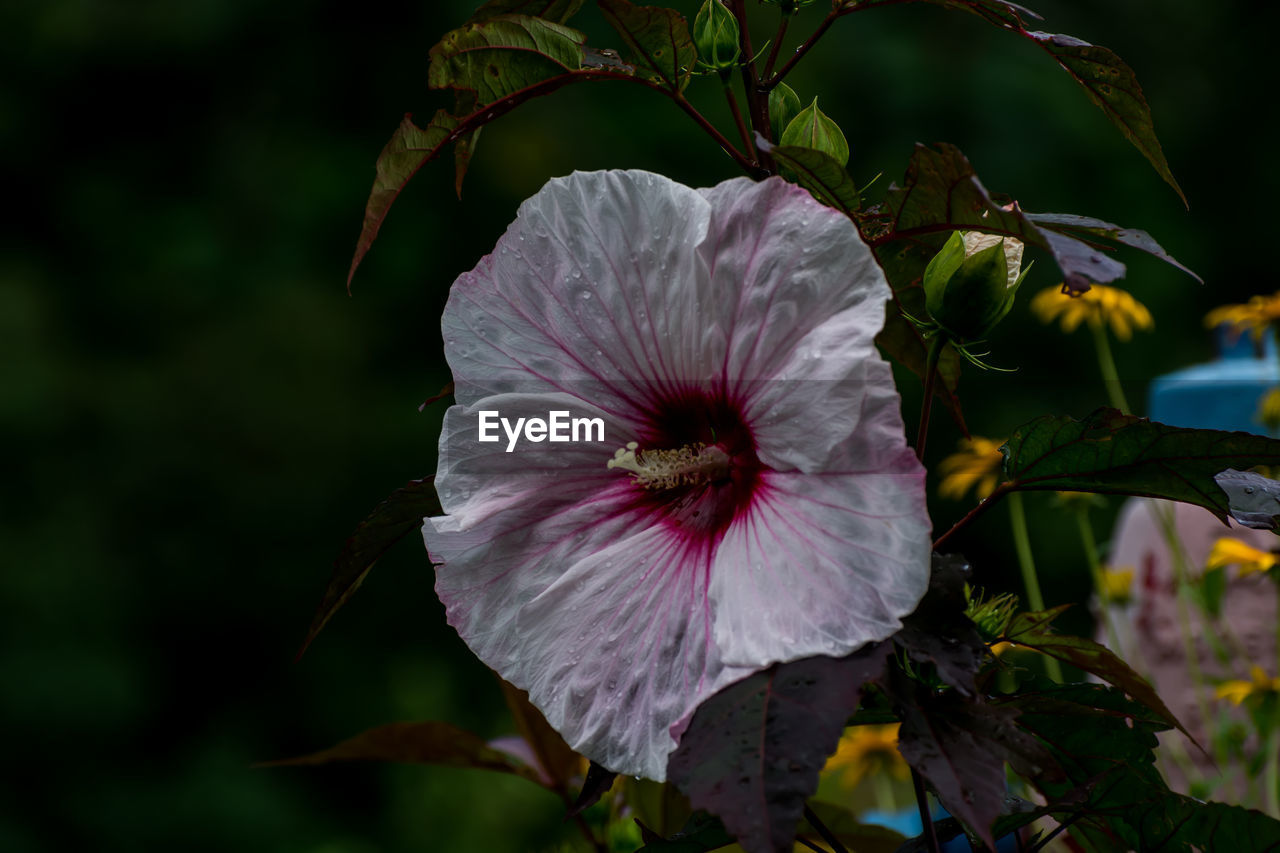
715,32
970,284
784,105
811,128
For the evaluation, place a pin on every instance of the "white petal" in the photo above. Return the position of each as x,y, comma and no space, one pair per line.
826,562
802,300
592,291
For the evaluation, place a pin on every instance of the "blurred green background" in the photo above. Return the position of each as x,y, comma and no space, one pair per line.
197,413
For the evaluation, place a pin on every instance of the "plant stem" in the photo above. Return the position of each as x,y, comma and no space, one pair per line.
1001,490
777,43
926,405
827,835
749,166
737,115
757,106
926,820
1022,544
769,82
1099,578
1108,365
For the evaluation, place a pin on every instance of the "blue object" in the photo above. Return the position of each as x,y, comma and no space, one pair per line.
1222,394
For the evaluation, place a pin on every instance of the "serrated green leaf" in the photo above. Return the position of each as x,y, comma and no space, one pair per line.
1106,744
1087,229
1032,631
819,173
417,743
409,148
557,11
658,38
397,516
498,57
1112,85
1112,453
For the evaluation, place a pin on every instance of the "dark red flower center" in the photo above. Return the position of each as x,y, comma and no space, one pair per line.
707,431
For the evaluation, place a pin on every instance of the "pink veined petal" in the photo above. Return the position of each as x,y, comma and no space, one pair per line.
803,300
594,290
827,562
477,479
624,649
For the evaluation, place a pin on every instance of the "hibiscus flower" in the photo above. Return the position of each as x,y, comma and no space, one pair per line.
754,499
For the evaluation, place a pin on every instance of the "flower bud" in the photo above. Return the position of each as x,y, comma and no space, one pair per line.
715,33
811,128
784,105
970,284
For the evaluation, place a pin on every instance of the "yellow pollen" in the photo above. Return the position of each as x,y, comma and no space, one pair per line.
666,469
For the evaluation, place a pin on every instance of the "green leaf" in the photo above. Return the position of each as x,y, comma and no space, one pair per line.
1032,631
752,752
941,193
1088,229
1112,453
408,150
1105,744
460,57
557,11
417,743
819,173
499,57
1003,14
1112,85
658,38
397,516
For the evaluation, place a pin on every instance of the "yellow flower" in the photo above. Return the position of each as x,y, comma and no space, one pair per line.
1269,409
1255,315
1232,552
866,751
1259,685
1117,585
1100,304
998,649
977,462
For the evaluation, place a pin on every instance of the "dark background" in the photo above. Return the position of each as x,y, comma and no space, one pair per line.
195,413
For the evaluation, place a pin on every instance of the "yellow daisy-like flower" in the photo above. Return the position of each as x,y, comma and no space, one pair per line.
1269,409
976,463
1232,552
1117,584
1099,305
1255,315
865,751
1259,685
